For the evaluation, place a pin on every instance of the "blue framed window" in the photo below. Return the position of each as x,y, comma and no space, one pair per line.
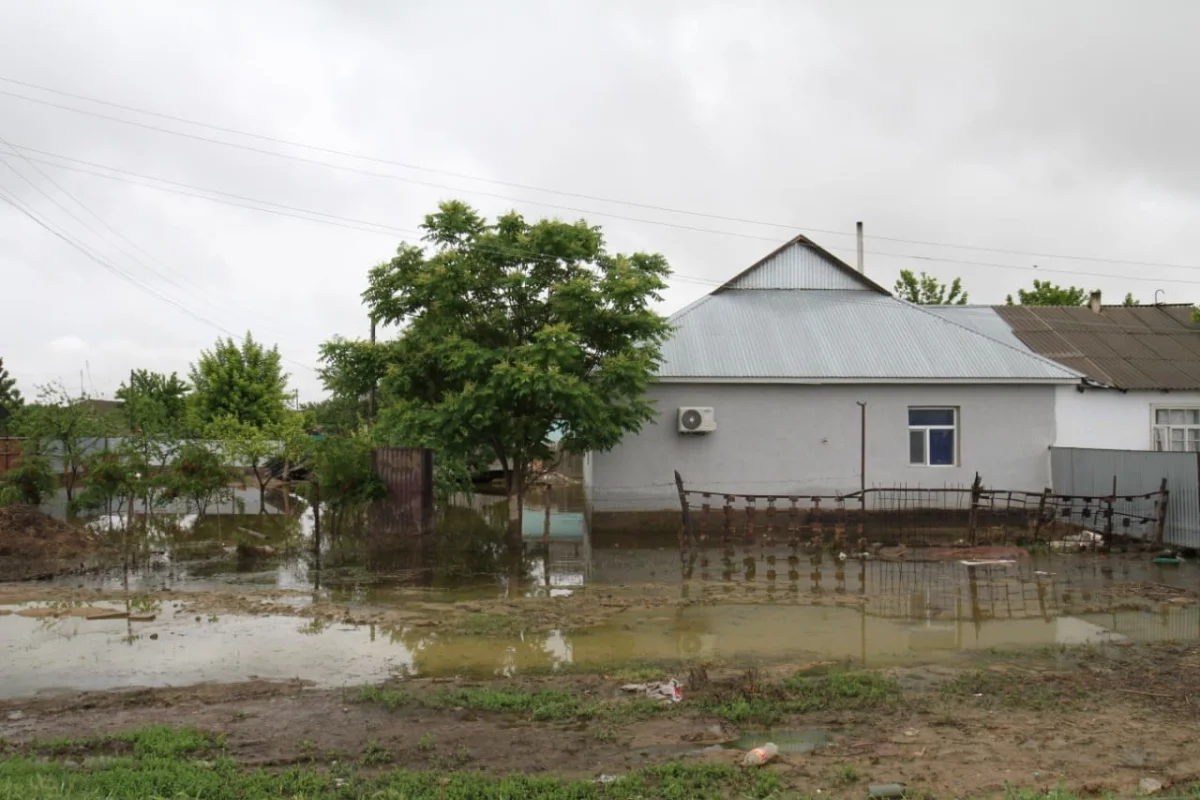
933,437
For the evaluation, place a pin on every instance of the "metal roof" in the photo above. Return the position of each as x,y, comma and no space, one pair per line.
1126,347
800,264
838,336
981,319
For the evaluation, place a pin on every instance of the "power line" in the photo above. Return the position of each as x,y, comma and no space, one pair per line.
116,270
516,185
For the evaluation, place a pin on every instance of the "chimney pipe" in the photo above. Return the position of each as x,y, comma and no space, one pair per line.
858,227
1094,301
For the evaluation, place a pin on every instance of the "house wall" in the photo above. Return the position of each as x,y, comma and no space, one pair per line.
1109,419
805,439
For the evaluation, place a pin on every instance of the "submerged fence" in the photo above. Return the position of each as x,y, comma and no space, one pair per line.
902,515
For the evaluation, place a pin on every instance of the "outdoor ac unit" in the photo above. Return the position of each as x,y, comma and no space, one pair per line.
696,420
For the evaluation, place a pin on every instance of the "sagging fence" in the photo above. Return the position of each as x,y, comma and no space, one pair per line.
922,516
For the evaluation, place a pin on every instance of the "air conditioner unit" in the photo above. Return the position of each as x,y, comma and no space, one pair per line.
694,419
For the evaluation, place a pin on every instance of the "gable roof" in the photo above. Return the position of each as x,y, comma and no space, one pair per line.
801,263
837,336
1125,347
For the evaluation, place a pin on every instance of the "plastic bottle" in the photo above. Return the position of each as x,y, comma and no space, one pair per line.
761,755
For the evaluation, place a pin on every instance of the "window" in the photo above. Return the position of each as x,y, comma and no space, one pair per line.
933,437
1177,429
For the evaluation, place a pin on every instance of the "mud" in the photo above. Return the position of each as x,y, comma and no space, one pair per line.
33,545
1096,724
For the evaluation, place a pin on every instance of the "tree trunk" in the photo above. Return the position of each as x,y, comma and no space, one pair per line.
516,489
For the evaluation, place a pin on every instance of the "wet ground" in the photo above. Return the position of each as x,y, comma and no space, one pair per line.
271,625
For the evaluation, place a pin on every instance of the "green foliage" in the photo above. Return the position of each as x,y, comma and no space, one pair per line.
111,478
10,398
927,290
64,427
154,403
337,415
246,445
30,481
1129,300
243,381
341,465
804,693
510,330
1045,293
180,778
198,475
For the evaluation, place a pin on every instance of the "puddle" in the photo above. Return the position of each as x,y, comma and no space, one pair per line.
793,742
152,644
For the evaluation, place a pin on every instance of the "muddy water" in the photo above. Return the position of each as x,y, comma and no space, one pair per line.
177,648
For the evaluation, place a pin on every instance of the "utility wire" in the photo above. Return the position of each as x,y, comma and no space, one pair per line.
516,185
116,270
326,218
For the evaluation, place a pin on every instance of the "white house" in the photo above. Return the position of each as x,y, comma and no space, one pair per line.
1141,368
763,381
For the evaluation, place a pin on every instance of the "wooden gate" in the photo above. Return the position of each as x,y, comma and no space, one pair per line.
10,451
407,472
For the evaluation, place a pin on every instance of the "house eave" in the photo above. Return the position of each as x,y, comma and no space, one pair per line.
858,381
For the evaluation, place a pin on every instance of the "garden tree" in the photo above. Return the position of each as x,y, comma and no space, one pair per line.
199,475
509,330
10,397
245,445
1129,301
63,428
294,447
243,381
1045,293
154,402
336,414
927,290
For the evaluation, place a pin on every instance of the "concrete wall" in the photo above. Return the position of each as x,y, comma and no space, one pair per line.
804,439
1107,419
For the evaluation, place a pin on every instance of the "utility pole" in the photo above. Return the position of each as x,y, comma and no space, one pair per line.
371,399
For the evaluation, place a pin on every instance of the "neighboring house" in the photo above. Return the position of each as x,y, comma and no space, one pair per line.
1141,368
783,354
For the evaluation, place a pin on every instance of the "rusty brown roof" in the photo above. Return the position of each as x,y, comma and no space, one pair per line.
1129,347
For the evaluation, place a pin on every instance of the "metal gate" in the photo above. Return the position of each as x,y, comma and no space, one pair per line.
1088,471
407,472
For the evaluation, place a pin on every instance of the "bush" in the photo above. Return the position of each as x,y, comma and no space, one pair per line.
198,475
31,481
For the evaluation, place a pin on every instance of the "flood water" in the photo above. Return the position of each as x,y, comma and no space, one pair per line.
741,605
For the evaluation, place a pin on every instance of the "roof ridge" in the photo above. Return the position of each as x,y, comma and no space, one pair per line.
1023,351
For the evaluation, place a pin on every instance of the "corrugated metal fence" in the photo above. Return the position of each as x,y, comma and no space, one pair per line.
1086,471
10,450
408,507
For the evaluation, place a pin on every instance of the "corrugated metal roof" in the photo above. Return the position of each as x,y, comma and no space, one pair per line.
1129,347
981,319
837,336
797,266
801,264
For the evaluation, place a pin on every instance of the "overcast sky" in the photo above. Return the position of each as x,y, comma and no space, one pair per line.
1066,130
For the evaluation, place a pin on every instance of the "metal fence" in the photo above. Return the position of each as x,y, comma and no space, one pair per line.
1130,474
407,472
10,451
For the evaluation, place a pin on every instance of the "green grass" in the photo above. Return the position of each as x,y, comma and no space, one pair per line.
804,693
176,778
542,706
391,699
156,741
479,624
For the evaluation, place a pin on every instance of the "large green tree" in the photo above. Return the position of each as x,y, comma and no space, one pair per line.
1045,293
245,381
10,397
65,429
154,402
927,290
509,330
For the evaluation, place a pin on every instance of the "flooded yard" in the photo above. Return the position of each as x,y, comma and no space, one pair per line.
224,619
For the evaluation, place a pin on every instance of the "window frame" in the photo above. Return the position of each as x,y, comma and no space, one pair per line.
925,429
1168,427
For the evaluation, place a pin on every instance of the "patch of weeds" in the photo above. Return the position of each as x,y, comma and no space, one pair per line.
847,775
463,755
391,699
308,749
743,710
1010,690
604,734
839,690
480,624
374,754
621,712
156,741
547,705
426,743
